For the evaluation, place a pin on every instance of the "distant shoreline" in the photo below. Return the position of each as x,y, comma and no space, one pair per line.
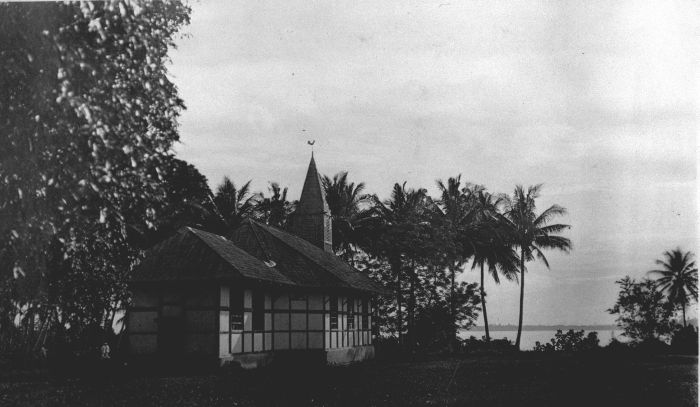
501,328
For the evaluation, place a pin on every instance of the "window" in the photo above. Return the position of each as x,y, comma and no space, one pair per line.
351,314
236,309
365,314
258,311
334,312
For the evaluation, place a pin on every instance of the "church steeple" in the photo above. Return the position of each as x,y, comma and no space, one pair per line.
312,219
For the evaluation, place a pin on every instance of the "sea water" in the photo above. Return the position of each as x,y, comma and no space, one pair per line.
529,338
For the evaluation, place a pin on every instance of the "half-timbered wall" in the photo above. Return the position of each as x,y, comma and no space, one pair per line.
177,319
288,321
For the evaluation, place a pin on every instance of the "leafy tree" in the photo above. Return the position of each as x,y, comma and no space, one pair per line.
570,341
532,234
88,123
678,278
434,324
187,202
642,311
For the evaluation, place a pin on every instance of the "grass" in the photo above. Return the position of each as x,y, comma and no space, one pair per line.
513,380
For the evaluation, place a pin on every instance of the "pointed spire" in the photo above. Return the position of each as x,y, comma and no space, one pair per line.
312,219
313,196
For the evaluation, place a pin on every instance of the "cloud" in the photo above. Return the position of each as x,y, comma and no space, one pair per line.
598,100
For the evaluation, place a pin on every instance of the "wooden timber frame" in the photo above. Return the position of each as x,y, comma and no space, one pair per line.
294,319
199,315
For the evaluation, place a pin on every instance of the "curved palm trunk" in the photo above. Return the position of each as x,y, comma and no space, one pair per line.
522,295
483,305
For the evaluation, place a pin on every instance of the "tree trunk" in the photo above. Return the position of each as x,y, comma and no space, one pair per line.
483,305
683,308
396,267
453,312
522,295
412,307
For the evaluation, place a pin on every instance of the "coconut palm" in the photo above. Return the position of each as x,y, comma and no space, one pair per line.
493,249
678,278
459,230
345,201
532,233
275,209
396,226
228,207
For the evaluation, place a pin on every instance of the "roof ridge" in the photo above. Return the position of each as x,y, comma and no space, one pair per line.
263,246
311,259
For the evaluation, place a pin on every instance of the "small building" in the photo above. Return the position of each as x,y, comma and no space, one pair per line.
261,294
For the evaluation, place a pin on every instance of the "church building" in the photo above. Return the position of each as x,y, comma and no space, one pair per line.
265,293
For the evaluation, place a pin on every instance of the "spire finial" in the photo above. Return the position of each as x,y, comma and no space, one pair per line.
311,143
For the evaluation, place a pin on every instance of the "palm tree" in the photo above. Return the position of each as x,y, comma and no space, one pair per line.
678,278
275,209
532,233
493,249
458,231
229,206
396,225
345,201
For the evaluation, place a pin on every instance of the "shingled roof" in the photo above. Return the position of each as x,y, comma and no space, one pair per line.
192,254
255,252
300,261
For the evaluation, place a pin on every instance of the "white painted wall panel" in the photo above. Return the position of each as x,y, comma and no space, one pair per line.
236,343
224,325
224,296
298,321
315,322
281,340
316,340
268,341
298,340
223,344
248,299
248,321
248,343
257,342
281,321
268,321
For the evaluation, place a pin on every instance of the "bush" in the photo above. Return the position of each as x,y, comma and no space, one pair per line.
571,341
685,341
472,344
652,346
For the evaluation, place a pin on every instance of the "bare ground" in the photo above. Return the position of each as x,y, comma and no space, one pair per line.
499,380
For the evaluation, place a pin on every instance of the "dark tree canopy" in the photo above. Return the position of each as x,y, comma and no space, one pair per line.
88,120
642,311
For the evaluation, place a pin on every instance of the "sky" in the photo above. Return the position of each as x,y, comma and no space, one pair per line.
597,100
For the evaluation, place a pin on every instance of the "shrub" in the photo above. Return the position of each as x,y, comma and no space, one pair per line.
571,341
685,341
472,344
